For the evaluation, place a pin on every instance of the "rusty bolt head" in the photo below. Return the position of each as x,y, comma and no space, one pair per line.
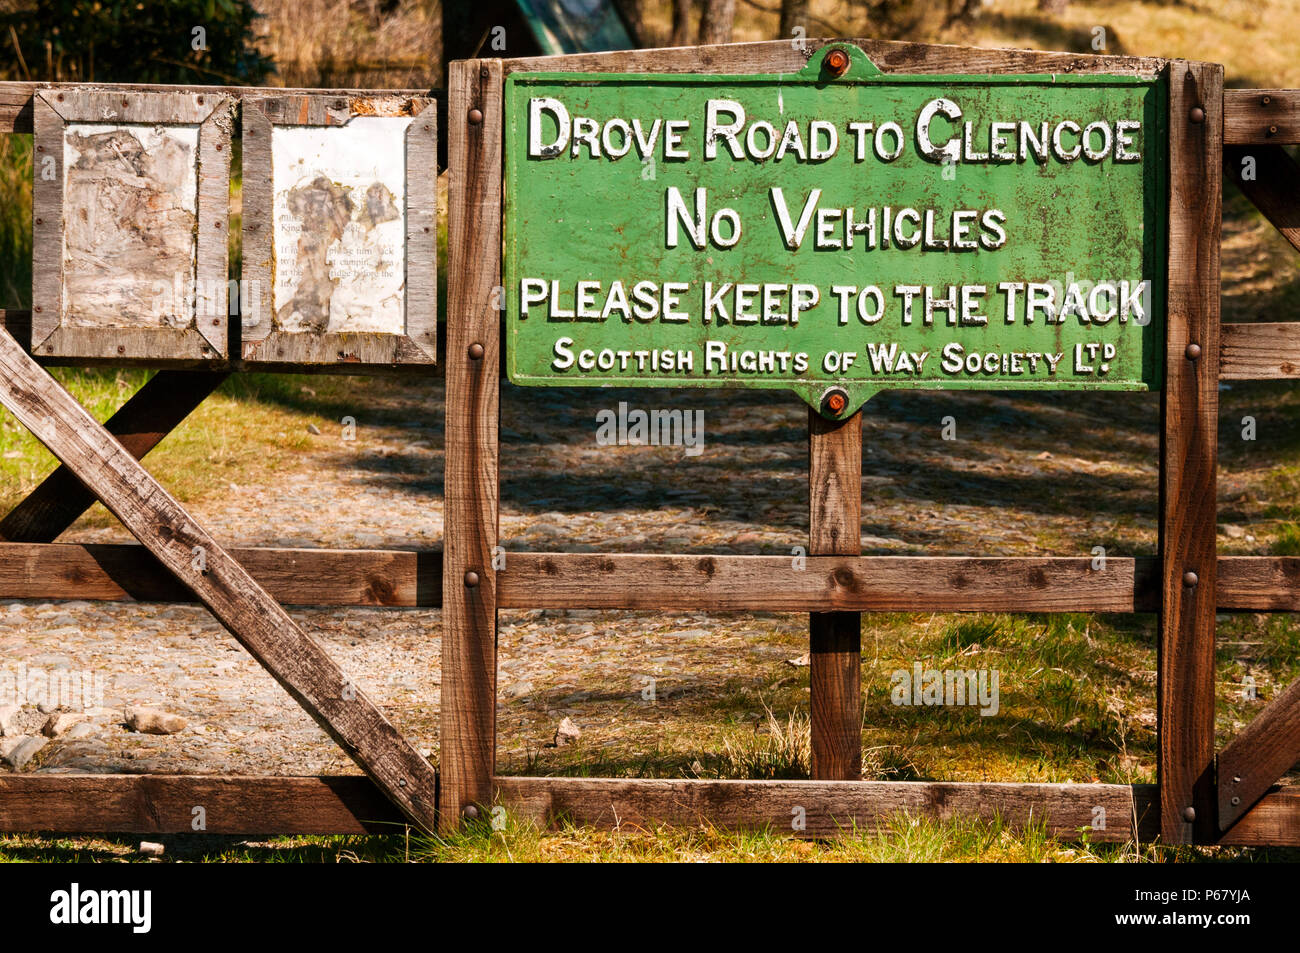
837,62
1265,100
475,117
476,351
471,579
469,812
1272,130
121,349
1197,114
1189,814
1190,579
483,73
1193,352
834,401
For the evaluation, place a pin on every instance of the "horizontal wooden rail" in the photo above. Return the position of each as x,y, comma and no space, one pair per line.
351,804
1261,117
165,804
16,97
116,572
828,807
1264,351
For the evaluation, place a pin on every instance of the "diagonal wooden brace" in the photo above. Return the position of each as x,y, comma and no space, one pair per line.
154,411
294,659
1273,186
1264,750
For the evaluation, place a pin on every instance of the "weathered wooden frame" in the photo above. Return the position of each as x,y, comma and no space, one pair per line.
206,338
259,341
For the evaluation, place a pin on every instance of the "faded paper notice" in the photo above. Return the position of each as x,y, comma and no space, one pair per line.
339,226
130,204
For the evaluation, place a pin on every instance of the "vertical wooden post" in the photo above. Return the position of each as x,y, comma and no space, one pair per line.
1189,455
835,650
468,742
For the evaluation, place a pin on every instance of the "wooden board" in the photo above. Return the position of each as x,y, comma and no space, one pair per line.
1256,352
302,306
828,808
164,804
119,572
1261,117
413,580
130,237
297,662
1259,755
835,638
16,98
140,424
471,487
1271,180
1189,455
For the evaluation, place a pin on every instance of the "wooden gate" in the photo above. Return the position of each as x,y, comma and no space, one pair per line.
1228,797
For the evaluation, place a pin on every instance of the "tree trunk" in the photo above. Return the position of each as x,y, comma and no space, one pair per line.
681,23
715,25
794,13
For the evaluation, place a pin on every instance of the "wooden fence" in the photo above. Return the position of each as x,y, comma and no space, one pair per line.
1229,796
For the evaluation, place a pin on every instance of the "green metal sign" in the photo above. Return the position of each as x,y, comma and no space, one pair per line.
835,231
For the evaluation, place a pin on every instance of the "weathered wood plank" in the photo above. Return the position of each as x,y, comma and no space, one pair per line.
468,738
243,607
1274,820
1189,454
1256,352
413,579
140,424
16,97
835,638
890,56
1261,753
118,572
1261,116
827,808
850,584
1270,178
165,804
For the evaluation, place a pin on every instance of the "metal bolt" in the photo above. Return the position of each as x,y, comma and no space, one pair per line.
483,73
1197,114
1193,352
1189,814
469,812
1272,130
1265,100
1236,780
1236,801
475,117
59,97
401,782
837,62
471,579
476,351
834,401
121,349
39,221
1190,579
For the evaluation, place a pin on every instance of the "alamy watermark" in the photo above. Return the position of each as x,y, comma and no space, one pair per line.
656,428
951,687
58,688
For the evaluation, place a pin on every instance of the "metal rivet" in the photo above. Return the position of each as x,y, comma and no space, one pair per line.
469,812
1236,801
216,322
39,221
1193,352
37,309
837,62
1189,814
475,117
1265,100
121,349
401,782
1197,114
476,351
199,100
1190,578
59,97
471,579
483,73
1272,130
218,147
